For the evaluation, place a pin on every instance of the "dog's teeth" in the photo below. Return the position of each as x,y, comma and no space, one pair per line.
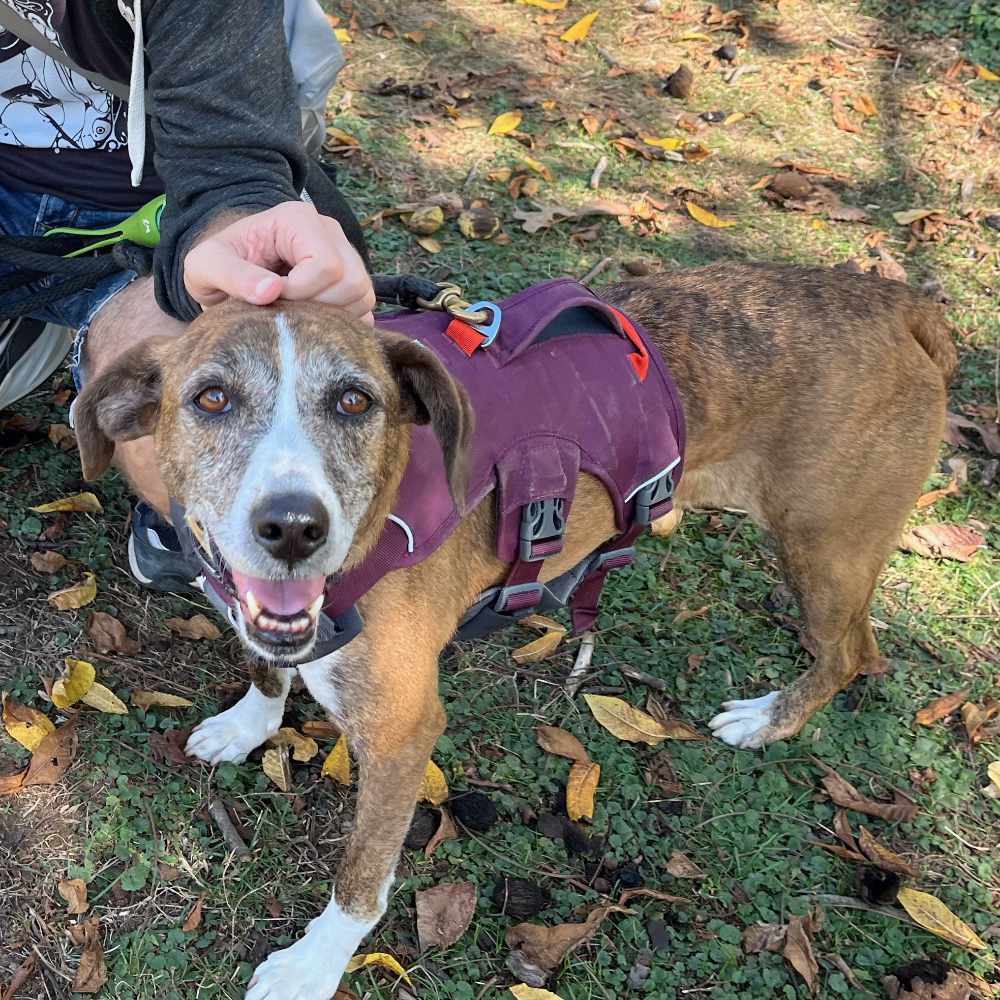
314,609
253,606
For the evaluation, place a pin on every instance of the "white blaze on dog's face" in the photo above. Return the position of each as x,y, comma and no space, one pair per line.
283,433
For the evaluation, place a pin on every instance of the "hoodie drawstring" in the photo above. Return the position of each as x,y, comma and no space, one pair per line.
137,91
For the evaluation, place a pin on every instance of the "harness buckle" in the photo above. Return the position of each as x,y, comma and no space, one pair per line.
615,559
519,597
543,525
652,495
449,299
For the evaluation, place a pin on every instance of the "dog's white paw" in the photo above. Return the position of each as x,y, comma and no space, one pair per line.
231,735
744,724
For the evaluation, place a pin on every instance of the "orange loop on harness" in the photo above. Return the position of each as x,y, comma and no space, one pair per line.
640,359
468,338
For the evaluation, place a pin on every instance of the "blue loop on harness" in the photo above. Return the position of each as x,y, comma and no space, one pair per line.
491,329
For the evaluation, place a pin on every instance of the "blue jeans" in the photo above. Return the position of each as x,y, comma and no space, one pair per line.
26,213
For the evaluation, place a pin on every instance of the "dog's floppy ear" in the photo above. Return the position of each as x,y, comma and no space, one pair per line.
121,404
429,395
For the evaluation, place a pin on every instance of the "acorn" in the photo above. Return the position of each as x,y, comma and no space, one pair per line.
425,220
425,822
474,810
478,223
520,897
679,83
727,53
791,184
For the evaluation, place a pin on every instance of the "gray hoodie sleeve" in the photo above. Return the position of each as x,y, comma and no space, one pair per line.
225,123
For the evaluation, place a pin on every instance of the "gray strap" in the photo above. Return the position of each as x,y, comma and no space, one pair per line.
26,31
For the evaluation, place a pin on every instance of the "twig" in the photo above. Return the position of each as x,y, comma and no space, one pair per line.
595,270
217,810
608,58
732,78
21,975
853,903
582,663
498,785
489,985
595,177
643,678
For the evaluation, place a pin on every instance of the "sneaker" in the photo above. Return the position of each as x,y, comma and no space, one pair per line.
155,555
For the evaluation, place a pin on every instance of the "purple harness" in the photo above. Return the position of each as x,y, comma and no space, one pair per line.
561,383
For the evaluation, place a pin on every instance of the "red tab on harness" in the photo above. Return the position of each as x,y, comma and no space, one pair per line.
468,338
640,360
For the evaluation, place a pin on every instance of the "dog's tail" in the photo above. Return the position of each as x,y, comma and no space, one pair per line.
926,322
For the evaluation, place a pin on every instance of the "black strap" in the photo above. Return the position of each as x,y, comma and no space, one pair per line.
403,289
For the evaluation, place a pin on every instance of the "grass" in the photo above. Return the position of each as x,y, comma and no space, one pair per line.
134,826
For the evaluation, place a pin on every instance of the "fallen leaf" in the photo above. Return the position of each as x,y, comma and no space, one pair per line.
381,959
623,721
338,763
670,142
434,787
478,224
707,218
76,596
538,649
168,747
108,635
343,36
523,991
694,36
840,118
763,937
546,4
75,682
540,168
934,916
798,950
158,699
845,794
81,502
663,897
74,891
275,765
444,913
811,168
62,436
47,562
994,773
882,857
986,74
193,921
92,973
687,614
943,541
989,431
975,717
340,137
21,975
681,866
505,123
941,707
840,851
304,748
25,724
104,700
555,740
541,622
546,947
195,627
425,220
417,37
429,244
676,729
446,831
932,497
320,729
467,121
579,31
54,755
888,267
581,789
864,105
842,828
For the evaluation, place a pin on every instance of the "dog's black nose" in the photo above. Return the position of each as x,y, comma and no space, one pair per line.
291,526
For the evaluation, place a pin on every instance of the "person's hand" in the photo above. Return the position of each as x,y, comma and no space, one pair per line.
287,252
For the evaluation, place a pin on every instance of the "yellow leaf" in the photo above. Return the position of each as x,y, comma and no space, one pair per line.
275,766
695,36
707,218
538,649
994,772
622,720
304,748
537,166
77,596
378,958
669,142
25,724
430,244
343,35
580,790
104,700
578,32
342,138
158,699
85,502
75,682
736,116
505,123
525,992
934,916
541,622
818,224
546,4
338,763
434,787
913,215
986,74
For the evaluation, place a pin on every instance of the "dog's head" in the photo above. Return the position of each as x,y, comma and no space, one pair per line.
284,433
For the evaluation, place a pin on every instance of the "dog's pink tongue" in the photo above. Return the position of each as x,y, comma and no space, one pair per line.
280,597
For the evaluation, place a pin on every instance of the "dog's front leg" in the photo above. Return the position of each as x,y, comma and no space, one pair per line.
392,716
256,717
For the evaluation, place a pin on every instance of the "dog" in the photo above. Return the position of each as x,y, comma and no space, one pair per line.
814,401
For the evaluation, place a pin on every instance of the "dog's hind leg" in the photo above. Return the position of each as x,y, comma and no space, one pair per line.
231,735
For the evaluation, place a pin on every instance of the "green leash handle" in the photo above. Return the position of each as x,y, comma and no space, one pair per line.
141,227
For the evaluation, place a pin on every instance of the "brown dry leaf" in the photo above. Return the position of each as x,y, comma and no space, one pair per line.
158,699
623,721
581,789
81,502
974,718
540,168
864,105
798,950
842,852
941,707
686,615
661,774
104,700
707,218
54,755
882,857
25,724
47,562
195,627
914,215
74,891
523,991
681,866
446,831
381,959
304,748
76,680
541,622
546,947
429,244
663,897
62,436
676,729
444,912
538,649
579,31
338,138
21,975
193,921
934,916
811,168
943,541
555,740
840,118
320,729
107,634
842,828
506,122
988,430
77,596
92,973
845,794
932,497
338,763
434,787
468,121
763,937
275,765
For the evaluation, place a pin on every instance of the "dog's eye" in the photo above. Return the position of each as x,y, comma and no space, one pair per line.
212,400
354,402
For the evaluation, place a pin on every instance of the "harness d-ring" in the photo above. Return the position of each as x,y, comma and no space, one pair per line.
488,330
